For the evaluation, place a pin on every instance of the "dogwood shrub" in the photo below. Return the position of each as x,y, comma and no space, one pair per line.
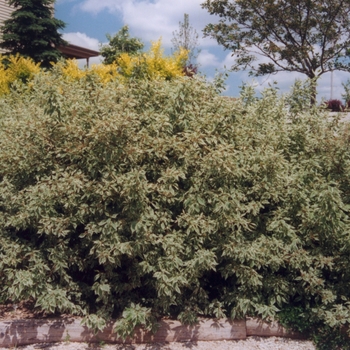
157,198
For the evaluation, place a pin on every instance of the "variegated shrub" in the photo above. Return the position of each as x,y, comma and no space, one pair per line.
157,198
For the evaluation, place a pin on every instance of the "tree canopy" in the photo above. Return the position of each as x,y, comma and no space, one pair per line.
305,36
120,43
32,31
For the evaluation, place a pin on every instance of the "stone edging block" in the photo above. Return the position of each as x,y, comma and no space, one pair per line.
31,331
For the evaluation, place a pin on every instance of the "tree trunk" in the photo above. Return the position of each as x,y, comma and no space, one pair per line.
313,89
313,95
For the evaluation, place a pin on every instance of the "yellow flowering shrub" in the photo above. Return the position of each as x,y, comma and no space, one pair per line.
106,73
70,69
127,64
14,68
4,87
161,66
153,64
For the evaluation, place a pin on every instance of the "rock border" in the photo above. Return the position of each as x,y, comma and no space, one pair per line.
32,331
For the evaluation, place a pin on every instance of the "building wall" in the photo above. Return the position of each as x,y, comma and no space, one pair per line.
5,10
5,13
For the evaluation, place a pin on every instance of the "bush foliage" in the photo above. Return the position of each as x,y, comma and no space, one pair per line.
16,67
152,64
152,198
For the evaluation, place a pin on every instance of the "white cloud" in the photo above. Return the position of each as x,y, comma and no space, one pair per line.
96,6
81,39
207,59
64,1
228,61
151,20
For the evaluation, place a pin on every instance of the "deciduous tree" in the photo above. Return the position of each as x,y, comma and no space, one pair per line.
304,36
32,31
186,38
120,43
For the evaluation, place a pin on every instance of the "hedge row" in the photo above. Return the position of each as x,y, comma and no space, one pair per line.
154,198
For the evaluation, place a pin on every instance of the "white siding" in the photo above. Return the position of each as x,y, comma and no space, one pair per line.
5,12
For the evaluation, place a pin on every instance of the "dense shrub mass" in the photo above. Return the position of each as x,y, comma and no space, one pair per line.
156,198
149,65
14,68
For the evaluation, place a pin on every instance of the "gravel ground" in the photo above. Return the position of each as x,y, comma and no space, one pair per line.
251,343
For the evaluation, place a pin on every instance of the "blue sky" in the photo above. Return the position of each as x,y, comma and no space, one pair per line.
88,22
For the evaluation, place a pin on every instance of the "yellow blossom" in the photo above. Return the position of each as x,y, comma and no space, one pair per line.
16,68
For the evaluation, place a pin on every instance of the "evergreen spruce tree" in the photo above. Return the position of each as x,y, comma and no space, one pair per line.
32,31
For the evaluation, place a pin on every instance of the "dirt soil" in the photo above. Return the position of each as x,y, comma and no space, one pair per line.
24,310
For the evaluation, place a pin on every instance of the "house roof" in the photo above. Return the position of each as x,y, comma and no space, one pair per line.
75,51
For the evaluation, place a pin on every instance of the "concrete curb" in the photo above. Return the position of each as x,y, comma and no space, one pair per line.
32,331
